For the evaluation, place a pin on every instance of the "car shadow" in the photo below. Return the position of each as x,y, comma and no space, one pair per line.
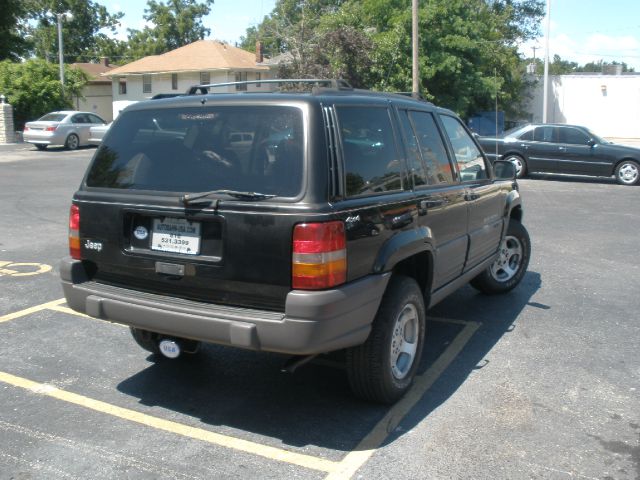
243,393
568,178
61,148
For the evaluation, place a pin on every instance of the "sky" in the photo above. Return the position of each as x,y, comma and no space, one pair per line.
581,30
588,30
228,20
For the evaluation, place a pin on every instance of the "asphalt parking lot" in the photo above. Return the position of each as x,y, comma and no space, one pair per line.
541,383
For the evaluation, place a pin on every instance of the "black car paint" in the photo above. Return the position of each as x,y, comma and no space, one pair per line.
246,261
595,157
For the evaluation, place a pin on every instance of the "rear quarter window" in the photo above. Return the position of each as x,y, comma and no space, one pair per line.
371,160
258,149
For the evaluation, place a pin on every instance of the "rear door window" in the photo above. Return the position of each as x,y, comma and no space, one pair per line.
371,159
434,153
545,134
253,149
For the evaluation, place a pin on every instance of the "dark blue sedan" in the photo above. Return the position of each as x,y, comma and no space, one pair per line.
569,149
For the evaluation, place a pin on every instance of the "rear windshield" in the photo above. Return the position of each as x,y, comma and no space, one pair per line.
253,149
53,117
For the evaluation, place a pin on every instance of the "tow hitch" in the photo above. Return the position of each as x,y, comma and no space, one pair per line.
173,347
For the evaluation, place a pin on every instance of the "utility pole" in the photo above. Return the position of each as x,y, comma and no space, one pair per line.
60,54
545,90
414,38
60,17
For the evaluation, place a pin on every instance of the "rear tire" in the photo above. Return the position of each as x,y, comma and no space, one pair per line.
73,142
382,369
146,339
506,272
628,173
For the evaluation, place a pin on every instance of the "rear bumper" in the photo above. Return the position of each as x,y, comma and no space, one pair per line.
313,322
43,138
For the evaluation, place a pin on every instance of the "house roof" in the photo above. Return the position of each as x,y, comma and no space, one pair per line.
95,71
282,59
197,56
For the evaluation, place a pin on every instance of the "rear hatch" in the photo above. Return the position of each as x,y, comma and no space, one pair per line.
149,223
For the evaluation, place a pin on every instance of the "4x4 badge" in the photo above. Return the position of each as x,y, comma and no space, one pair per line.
140,232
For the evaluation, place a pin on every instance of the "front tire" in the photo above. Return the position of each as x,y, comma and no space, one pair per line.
519,163
628,173
506,272
73,142
382,369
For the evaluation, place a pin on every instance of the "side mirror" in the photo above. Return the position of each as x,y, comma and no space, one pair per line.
591,142
475,135
504,170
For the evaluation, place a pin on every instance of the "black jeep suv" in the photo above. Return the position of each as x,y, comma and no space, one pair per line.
299,223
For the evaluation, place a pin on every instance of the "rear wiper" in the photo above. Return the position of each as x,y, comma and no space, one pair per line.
191,197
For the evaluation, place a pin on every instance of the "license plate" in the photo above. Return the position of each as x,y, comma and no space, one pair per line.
176,235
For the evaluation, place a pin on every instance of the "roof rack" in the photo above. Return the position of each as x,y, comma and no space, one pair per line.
336,84
415,95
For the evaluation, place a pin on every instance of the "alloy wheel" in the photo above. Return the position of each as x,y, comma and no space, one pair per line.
509,260
404,341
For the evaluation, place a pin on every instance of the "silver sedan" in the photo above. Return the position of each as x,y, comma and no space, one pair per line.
97,133
68,128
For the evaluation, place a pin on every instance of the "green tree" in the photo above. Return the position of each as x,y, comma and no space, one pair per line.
82,34
13,44
600,65
175,23
468,48
33,88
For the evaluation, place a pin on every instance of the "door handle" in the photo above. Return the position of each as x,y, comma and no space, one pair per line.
470,197
402,220
425,204
562,149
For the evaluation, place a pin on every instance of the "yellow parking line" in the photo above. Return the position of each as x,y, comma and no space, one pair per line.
60,308
342,470
272,453
30,310
367,447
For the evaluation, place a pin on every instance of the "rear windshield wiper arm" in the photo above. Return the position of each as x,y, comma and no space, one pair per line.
192,197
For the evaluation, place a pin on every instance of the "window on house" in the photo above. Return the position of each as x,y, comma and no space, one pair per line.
205,78
258,77
146,83
241,77
122,88
174,81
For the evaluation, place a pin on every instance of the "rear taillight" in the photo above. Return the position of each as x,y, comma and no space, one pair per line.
26,129
50,129
74,232
319,257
